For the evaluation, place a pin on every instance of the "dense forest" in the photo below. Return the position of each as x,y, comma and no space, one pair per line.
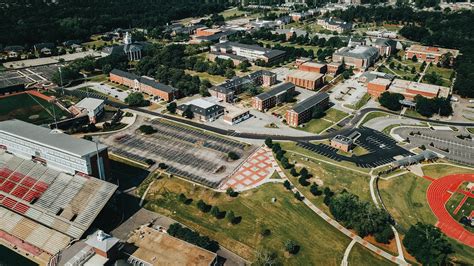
445,29
25,22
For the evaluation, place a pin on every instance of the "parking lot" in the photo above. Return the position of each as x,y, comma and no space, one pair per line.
444,142
189,153
27,75
381,149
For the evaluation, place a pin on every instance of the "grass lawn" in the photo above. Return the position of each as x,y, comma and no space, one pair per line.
307,47
361,256
445,74
287,219
466,208
471,130
333,176
99,78
372,115
413,113
30,109
316,126
405,198
214,79
319,125
440,170
363,101
234,12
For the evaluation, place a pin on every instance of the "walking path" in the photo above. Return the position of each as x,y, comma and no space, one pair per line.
338,226
347,252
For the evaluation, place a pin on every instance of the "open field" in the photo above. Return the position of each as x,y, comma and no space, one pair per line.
214,79
371,116
440,170
320,243
331,117
30,109
445,74
326,174
361,256
405,198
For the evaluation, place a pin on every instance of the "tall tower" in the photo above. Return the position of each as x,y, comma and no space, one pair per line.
128,38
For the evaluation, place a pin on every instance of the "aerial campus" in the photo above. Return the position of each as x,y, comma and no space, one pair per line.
237,132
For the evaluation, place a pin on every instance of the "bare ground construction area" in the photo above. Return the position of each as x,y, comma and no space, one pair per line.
190,153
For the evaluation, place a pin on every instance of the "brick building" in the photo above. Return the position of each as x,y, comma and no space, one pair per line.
334,68
378,86
271,98
143,84
429,53
229,89
359,57
407,88
313,67
342,143
305,79
302,112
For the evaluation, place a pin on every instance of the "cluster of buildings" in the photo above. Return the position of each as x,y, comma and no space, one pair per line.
430,54
133,50
407,88
336,25
360,57
144,84
250,52
228,90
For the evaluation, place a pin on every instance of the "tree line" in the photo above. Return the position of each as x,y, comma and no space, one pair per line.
28,22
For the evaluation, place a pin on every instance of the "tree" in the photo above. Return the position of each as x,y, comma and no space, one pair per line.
292,247
287,185
303,181
204,207
136,99
266,258
391,101
147,129
314,190
293,172
304,172
414,58
385,235
244,65
427,244
298,196
171,107
269,142
229,73
233,156
285,163
188,113
231,192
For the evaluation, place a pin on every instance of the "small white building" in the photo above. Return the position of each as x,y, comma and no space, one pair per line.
93,107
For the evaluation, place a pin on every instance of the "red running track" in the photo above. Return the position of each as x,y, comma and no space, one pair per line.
438,194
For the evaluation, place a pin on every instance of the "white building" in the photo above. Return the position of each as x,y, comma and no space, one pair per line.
53,148
93,107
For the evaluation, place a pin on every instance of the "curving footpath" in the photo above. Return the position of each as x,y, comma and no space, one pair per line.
338,226
438,193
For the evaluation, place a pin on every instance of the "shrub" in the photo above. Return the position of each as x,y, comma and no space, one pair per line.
292,247
147,129
233,156
204,207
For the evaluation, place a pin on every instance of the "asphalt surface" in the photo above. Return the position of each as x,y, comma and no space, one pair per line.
345,130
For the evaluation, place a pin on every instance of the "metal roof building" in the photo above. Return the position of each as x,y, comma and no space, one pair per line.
310,102
46,208
58,150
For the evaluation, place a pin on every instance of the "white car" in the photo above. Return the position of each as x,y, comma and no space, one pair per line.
471,101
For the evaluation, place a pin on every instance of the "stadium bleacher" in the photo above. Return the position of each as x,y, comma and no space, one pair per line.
46,208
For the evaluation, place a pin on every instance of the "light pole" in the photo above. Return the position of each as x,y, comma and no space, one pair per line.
61,78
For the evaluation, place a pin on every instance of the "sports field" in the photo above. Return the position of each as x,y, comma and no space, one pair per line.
30,109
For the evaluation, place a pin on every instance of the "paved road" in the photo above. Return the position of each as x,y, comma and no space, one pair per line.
358,117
